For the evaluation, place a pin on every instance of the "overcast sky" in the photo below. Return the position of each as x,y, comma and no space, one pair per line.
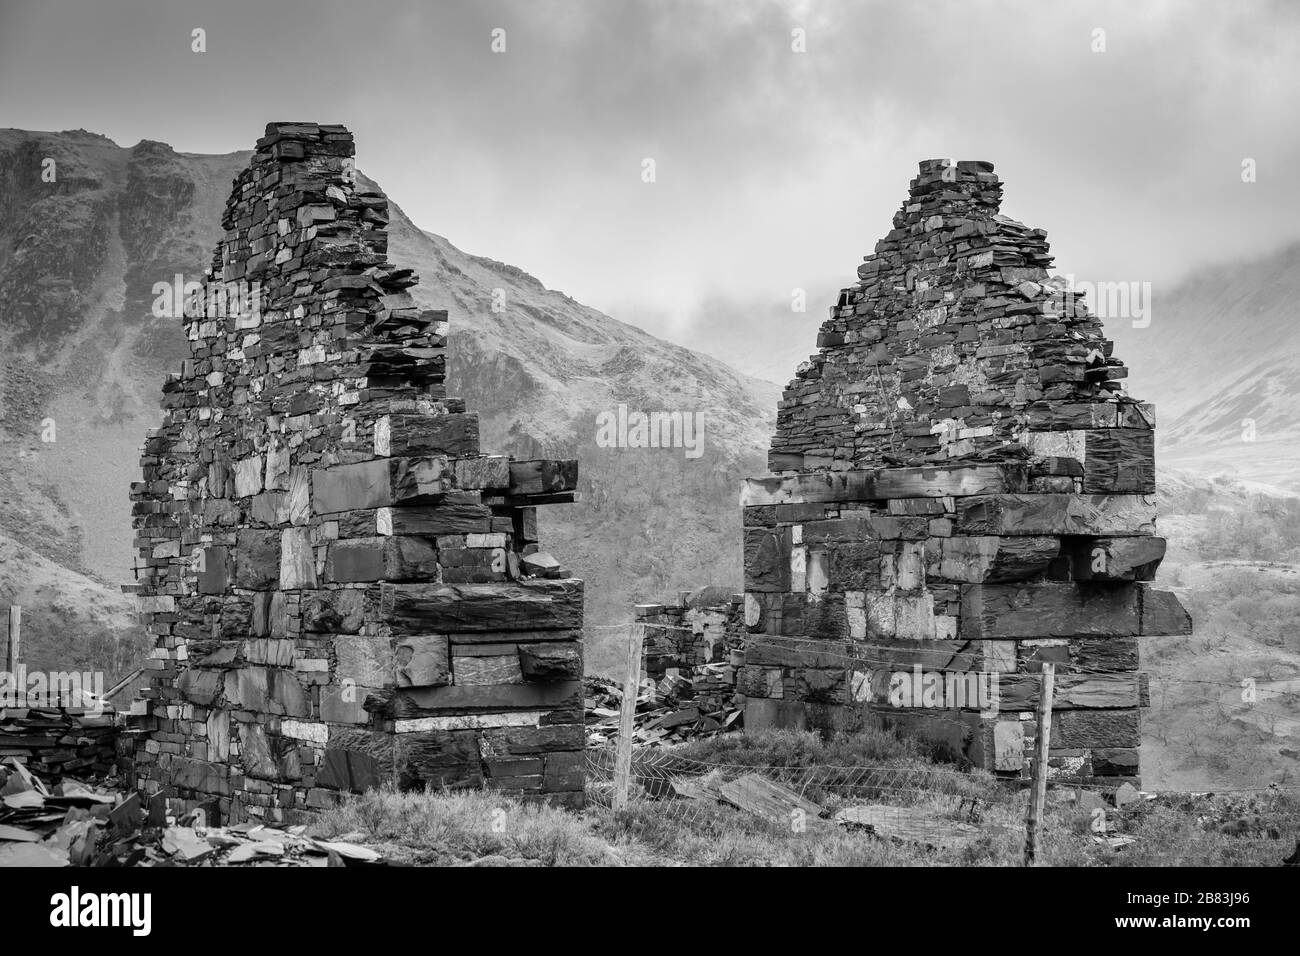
775,169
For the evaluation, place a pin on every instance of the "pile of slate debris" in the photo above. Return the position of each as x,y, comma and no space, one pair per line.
666,712
77,823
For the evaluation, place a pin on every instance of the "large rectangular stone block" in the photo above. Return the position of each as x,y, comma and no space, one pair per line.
448,608
1056,514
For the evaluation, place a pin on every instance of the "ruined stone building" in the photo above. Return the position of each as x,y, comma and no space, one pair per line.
343,588
960,490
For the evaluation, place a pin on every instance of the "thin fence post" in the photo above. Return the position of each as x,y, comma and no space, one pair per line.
13,647
626,718
1038,792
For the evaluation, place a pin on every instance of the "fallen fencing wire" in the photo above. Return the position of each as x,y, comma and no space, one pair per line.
935,808
929,807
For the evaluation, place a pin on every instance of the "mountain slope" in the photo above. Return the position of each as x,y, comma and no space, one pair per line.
69,621
1221,360
1234,561
81,351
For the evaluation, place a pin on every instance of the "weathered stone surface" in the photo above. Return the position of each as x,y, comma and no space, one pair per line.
421,700
767,564
978,559
1053,514
1120,460
419,435
403,558
532,605
780,653
269,758
1163,613
364,484
257,559
349,770
863,528
339,611
1117,559
364,660
497,669
248,477
1089,653
199,775
1078,729
297,560
440,759
1049,610
276,652
961,489
470,518
214,570
1009,745
200,686
421,661
345,703
268,690
1114,762
217,729
1071,691
486,472
550,661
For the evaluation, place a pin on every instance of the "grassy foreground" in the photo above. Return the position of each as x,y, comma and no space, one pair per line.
481,828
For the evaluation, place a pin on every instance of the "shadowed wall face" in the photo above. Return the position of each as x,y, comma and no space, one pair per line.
962,492
344,590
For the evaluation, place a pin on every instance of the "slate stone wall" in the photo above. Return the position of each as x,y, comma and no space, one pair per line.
700,638
340,582
961,490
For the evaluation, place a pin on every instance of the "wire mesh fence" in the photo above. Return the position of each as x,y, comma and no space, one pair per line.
945,807
947,810
931,806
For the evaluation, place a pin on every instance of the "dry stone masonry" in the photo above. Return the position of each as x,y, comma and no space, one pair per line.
960,490
344,589
694,646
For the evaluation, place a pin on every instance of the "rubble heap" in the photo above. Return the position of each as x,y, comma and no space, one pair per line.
343,588
665,712
58,738
694,645
961,490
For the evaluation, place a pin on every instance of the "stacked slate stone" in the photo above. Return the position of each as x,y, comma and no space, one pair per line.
699,639
54,738
333,570
962,490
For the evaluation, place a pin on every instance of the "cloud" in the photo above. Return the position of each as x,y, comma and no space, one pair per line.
775,169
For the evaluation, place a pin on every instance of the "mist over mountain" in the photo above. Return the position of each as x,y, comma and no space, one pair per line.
1221,360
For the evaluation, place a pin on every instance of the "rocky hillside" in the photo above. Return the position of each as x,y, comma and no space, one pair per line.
70,622
82,357
1221,360
1234,561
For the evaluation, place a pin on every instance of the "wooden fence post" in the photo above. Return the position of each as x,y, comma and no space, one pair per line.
13,651
1038,791
626,715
